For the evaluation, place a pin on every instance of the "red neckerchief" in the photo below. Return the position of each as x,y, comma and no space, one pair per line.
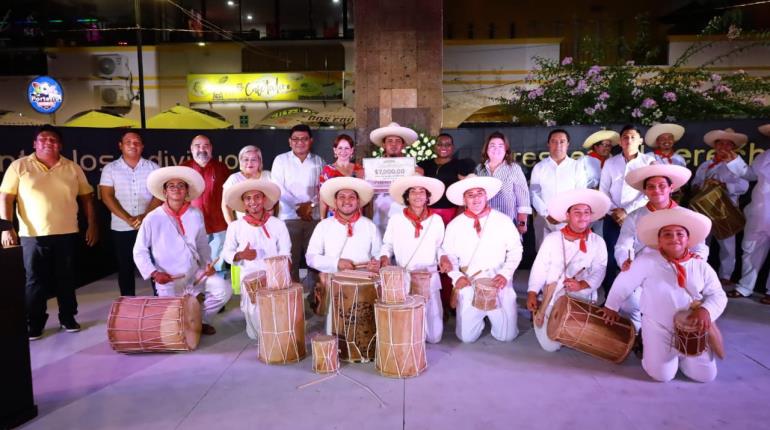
717,159
671,204
570,234
660,154
417,220
257,222
177,216
475,218
349,223
598,157
681,274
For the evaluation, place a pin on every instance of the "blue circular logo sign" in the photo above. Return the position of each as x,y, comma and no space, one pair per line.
45,94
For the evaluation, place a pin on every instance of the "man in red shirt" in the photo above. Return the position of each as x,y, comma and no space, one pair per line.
214,174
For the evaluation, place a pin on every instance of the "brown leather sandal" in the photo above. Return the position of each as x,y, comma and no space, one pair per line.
765,300
734,294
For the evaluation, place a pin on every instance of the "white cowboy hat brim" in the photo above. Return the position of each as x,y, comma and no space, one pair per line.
193,179
400,185
601,135
739,139
656,130
234,194
596,200
764,129
677,174
377,136
697,225
331,186
455,191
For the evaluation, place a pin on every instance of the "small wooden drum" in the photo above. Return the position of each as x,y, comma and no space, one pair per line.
154,324
322,289
326,357
578,325
714,202
352,316
485,294
419,283
401,338
281,325
254,281
278,271
393,284
688,339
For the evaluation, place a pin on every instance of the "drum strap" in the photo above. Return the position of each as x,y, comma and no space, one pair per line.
189,246
473,256
422,237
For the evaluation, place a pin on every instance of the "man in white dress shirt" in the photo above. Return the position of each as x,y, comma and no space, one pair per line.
414,237
172,247
296,172
672,280
661,138
255,236
570,261
554,175
482,243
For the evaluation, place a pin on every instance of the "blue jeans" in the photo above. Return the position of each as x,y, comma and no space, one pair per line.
216,242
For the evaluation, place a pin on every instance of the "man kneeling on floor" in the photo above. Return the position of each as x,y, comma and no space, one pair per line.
172,247
570,261
482,243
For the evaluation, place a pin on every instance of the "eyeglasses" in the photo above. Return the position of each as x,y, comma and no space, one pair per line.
300,139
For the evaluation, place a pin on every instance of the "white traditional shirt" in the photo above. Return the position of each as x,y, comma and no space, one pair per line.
593,168
161,246
675,159
240,233
613,181
330,242
413,253
130,188
732,174
758,211
298,181
496,252
661,296
549,179
384,207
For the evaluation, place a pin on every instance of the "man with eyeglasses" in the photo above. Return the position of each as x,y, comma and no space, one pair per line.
296,172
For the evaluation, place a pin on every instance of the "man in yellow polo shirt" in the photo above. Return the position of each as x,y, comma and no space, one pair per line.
46,188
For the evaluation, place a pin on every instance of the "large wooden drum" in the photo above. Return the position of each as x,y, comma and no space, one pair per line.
352,316
278,272
401,338
577,324
154,324
714,202
281,325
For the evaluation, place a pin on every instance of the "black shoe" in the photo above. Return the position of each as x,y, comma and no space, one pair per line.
221,310
70,325
35,333
638,348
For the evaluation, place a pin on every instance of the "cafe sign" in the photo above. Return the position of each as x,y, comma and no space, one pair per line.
264,87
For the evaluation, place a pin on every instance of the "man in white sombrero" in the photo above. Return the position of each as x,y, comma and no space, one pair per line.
392,138
572,260
661,138
599,145
756,234
255,236
728,170
482,243
172,247
414,238
672,280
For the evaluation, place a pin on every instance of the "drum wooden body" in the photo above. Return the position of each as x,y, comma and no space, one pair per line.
485,294
322,290
154,324
688,339
352,316
577,324
326,357
278,272
253,282
401,338
714,202
419,283
281,325
393,286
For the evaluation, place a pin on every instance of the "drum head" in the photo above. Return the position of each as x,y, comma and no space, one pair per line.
556,320
191,320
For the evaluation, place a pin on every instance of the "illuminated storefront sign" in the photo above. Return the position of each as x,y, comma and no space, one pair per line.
264,87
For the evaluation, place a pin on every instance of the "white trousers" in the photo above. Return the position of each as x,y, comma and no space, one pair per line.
755,247
542,228
217,291
726,257
251,314
434,317
632,310
661,360
470,321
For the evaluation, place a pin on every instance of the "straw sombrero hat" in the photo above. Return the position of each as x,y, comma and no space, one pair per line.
193,179
764,129
601,135
377,136
678,175
697,225
597,200
400,185
455,191
331,186
738,139
234,194
656,130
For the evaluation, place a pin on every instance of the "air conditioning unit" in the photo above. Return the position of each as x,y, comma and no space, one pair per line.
110,66
112,95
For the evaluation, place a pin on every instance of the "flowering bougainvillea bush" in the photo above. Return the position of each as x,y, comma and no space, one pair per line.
570,92
421,149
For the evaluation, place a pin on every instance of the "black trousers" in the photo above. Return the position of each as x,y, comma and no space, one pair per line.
611,232
124,253
50,265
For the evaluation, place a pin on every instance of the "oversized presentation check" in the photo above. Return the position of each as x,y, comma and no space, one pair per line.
380,172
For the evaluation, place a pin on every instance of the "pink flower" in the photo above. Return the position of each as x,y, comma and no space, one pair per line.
715,77
550,123
570,82
669,96
589,111
603,96
566,61
593,71
722,89
649,103
733,32
637,113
